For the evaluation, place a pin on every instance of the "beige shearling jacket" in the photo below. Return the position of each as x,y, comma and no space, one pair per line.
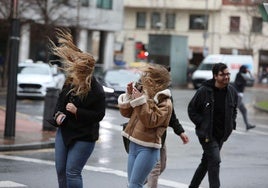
148,118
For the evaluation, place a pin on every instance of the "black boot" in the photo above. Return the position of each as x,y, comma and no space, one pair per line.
250,127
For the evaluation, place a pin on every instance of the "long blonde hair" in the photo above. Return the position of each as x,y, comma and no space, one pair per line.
155,78
78,65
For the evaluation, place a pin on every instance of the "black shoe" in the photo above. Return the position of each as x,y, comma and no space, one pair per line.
251,127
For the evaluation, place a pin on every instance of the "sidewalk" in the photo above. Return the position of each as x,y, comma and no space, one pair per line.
28,134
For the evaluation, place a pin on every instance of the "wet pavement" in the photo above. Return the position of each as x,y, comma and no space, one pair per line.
29,133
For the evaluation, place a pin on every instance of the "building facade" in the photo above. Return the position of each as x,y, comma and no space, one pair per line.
212,27
93,24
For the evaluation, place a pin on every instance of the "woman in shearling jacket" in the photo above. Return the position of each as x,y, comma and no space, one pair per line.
149,111
79,109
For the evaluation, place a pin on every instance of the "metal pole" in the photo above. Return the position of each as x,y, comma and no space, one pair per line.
12,74
205,34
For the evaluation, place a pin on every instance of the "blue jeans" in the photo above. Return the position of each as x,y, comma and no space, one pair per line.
70,160
210,163
141,160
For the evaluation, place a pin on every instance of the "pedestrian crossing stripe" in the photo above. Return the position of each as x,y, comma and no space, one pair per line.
120,173
9,184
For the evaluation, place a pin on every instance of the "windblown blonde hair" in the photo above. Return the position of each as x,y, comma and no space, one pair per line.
78,65
154,78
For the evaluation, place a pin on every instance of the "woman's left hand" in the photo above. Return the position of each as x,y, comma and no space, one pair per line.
71,108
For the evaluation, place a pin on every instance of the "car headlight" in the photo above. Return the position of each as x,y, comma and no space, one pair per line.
108,90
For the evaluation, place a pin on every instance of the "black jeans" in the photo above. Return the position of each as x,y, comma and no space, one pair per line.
210,163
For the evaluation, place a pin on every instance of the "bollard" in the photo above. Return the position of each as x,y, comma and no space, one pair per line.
49,107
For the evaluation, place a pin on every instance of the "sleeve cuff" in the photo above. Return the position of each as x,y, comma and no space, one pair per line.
138,101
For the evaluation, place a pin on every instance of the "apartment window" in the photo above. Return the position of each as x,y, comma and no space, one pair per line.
155,20
105,4
170,20
141,20
84,3
198,22
235,1
234,23
61,1
256,25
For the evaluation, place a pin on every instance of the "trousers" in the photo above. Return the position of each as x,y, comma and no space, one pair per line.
210,163
70,160
243,110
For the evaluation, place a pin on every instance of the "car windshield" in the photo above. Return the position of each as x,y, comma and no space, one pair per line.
33,70
205,66
121,77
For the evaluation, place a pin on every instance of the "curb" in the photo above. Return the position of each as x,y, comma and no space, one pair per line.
31,146
261,109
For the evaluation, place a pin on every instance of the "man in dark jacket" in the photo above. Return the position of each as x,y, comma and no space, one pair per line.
213,110
240,83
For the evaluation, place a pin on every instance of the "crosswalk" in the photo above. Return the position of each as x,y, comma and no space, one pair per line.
10,184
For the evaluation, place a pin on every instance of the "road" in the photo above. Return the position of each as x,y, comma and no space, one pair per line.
244,155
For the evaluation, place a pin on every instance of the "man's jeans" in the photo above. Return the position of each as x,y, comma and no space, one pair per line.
210,163
141,160
70,161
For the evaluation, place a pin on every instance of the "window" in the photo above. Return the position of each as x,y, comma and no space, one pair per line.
84,3
170,20
234,23
61,1
141,20
235,1
155,20
256,25
105,4
198,22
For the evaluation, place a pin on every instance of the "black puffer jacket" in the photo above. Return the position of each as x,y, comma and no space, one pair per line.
84,126
200,110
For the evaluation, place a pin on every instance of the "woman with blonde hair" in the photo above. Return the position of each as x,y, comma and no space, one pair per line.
79,109
149,109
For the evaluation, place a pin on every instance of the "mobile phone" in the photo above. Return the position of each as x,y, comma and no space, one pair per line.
62,119
138,86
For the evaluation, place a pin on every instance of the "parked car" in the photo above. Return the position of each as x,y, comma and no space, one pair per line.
114,83
33,79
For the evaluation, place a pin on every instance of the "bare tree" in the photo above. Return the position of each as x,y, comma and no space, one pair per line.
43,16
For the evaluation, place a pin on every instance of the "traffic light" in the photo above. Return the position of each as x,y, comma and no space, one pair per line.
141,52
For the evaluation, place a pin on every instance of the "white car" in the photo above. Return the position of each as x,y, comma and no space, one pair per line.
33,79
